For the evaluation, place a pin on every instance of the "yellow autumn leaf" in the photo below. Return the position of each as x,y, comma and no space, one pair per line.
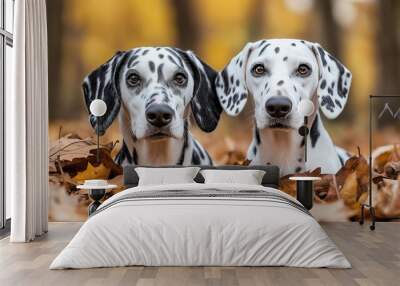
92,172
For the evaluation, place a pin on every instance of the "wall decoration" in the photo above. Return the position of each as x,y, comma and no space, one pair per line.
132,63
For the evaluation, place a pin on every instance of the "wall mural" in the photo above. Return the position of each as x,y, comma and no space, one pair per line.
167,105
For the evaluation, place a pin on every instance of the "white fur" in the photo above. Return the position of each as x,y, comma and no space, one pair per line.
281,58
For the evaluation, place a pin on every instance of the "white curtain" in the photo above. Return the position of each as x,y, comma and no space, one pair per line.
27,124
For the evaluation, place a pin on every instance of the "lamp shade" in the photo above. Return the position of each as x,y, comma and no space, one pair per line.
306,107
98,107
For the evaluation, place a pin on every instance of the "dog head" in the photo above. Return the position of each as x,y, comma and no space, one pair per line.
278,74
155,86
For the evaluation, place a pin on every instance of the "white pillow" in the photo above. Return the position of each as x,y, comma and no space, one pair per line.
248,177
166,176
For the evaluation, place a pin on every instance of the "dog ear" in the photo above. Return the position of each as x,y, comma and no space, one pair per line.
205,105
231,83
102,83
333,84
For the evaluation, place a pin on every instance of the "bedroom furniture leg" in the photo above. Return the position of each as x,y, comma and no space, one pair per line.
96,195
362,215
305,193
305,190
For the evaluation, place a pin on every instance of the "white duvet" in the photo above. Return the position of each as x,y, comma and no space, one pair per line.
203,231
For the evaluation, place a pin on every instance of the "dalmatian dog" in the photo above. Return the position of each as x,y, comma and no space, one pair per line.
153,91
278,74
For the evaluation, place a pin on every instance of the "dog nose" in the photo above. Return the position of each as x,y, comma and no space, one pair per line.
278,106
159,115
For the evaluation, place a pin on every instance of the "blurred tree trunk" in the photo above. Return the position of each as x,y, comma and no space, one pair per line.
331,40
55,47
186,24
256,31
330,31
388,42
257,20
388,48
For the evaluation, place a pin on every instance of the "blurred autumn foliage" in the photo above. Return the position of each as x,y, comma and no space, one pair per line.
84,34
363,34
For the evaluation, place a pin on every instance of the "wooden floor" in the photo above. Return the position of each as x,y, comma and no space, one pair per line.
375,257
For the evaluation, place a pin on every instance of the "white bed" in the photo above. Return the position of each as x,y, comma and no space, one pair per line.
224,225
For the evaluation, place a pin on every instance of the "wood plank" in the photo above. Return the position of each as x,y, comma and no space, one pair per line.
375,257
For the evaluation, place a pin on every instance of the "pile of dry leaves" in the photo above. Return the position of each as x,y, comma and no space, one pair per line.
72,160
338,196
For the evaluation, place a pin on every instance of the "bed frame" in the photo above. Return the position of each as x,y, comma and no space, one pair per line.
270,179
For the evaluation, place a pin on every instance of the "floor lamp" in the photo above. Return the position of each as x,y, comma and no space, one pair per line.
98,108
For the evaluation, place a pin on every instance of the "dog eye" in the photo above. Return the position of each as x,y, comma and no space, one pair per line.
180,79
133,80
258,70
303,70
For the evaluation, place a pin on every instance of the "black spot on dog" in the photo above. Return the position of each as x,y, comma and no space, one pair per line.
280,82
293,44
123,155
298,169
231,79
240,63
254,150
132,58
242,96
161,56
237,82
195,158
342,92
285,59
237,110
328,102
277,49
266,85
263,49
330,91
257,136
261,43
157,49
152,67
302,42
314,132
160,73
338,103
341,160
199,150
295,89
323,84
329,69
322,54
347,74
225,79
235,98
229,102
145,52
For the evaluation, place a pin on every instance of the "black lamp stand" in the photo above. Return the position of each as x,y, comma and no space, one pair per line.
303,131
98,140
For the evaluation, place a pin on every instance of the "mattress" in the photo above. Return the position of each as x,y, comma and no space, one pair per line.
201,225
